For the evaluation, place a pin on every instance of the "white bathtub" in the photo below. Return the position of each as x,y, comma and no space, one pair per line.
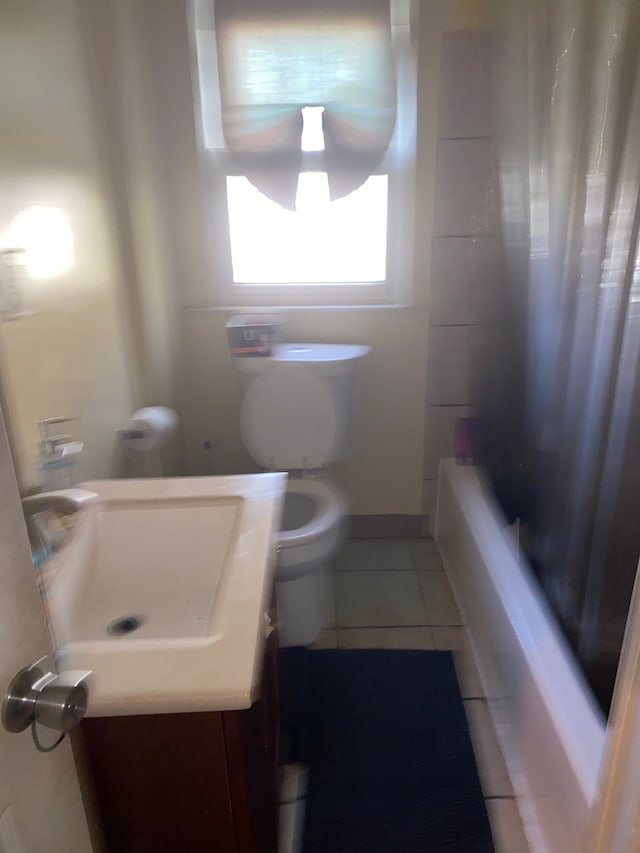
550,729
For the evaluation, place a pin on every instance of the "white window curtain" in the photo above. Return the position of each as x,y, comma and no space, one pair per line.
276,58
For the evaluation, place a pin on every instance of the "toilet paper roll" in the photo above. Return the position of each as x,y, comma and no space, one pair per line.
148,429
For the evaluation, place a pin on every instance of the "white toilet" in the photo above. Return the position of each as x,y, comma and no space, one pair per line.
295,417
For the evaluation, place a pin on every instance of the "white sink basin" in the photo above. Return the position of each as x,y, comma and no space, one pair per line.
162,591
135,566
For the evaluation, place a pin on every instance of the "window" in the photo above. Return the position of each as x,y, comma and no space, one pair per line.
308,132
322,242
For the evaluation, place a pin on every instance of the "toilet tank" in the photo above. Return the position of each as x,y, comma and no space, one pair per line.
296,408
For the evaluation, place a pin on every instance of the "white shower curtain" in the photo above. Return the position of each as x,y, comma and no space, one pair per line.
568,130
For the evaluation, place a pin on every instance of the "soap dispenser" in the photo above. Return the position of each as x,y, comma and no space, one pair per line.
58,455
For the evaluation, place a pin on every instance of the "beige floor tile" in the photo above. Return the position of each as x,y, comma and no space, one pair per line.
428,504
294,783
374,555
291,826
385,638
506,827
468,676
468,679
425,555
455,639
491,767
329,601
439,602
327,639
449,638
378,600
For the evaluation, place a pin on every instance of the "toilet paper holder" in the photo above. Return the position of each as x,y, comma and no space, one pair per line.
126,434
148,429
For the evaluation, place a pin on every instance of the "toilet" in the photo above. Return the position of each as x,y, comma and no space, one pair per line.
295,417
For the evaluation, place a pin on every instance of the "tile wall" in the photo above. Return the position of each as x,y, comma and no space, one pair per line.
466,249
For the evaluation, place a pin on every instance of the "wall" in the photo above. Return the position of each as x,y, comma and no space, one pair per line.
131,89
151,206
67,355
466,247
381,477
40,804
386,472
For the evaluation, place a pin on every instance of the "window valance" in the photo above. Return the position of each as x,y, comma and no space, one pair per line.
277,57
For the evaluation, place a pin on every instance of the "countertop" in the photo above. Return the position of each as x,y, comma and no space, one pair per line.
217,668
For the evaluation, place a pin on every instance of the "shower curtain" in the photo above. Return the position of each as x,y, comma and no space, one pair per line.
562,417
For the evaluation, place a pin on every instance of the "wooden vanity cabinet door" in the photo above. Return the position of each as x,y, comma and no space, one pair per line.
188,783
160,782
251,739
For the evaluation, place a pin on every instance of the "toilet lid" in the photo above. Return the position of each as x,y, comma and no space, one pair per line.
288,420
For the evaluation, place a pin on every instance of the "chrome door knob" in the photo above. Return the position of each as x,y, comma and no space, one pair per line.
37,695
61,706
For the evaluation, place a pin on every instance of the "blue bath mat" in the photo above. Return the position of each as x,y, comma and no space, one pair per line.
392,769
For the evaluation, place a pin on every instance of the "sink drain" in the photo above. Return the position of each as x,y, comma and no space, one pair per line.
123,625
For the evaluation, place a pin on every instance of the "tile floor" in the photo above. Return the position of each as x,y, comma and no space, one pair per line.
394,594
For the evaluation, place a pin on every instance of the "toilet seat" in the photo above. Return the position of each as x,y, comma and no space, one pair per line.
288,420
329,509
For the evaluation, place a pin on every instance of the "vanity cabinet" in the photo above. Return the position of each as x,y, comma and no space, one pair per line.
188,782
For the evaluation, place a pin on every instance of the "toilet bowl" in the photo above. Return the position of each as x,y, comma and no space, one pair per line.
295,417
310,533
311,527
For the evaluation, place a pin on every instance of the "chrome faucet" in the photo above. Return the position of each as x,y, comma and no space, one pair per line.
63,501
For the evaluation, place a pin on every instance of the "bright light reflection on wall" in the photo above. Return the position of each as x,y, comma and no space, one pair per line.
47,239
323,242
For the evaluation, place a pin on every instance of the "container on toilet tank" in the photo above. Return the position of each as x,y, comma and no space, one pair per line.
296,417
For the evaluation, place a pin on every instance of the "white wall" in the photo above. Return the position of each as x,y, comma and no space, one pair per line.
39,794
385,474
141,128
67,355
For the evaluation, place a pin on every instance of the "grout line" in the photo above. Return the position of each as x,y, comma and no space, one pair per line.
475,236
415,566
446,405
467,136
411,625
304,797
461,404
358,571
380,627
453,325
424,601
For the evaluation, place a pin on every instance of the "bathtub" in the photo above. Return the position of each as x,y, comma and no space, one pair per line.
551,731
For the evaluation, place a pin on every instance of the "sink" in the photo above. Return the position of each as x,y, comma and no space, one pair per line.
134,566
162,591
